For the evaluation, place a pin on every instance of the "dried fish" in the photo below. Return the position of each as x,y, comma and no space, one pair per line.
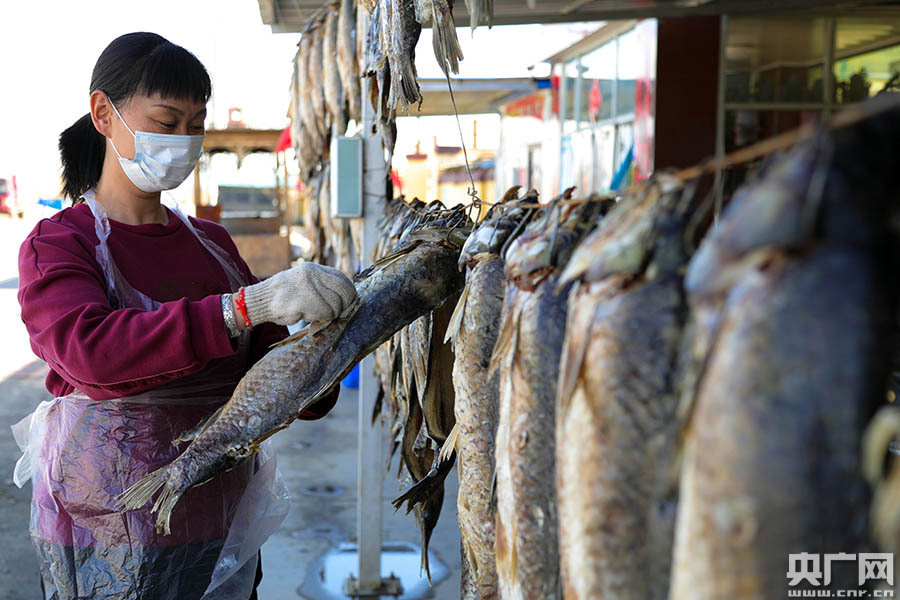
405,30
527,353
473,331
406,284
347,60
617,400
803,282
317,84
481,12
331,78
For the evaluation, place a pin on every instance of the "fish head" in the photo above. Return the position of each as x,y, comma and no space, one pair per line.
622,242
774,211
494,231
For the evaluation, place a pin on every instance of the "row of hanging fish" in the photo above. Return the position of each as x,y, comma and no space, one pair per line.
646,409
414,368
325,86
333,55
336,242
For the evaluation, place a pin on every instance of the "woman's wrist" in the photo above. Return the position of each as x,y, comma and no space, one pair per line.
241,313
232,324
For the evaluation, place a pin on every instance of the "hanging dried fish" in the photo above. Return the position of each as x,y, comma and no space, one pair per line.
331,70
617,398
804,284
347,60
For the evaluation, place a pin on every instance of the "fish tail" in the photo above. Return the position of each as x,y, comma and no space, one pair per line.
506,341
424,565
456,318
474,8
450,443
142,492
409,83
163,507
446,44
419,493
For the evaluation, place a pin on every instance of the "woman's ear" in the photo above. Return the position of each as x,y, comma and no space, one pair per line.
101,113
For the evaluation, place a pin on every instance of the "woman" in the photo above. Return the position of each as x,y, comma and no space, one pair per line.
133,307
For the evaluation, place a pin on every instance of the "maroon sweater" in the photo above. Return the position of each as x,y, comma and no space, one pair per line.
107,352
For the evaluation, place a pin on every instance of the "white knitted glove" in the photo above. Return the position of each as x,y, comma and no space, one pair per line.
308,291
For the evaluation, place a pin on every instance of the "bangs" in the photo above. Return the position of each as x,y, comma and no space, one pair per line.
173,72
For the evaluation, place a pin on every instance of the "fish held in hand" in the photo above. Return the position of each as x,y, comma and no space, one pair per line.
392,292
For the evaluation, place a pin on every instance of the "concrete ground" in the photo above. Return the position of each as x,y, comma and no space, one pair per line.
317,460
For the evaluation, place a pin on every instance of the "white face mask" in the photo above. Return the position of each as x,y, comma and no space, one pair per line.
161,160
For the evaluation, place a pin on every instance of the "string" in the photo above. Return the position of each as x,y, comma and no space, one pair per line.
472,192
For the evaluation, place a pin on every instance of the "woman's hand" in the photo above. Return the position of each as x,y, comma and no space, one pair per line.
308,291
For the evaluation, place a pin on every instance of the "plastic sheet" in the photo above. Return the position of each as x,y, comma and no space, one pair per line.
80,454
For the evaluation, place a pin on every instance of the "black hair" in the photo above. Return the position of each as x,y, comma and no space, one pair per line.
135,62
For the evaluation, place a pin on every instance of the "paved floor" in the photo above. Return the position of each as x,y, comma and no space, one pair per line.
313,455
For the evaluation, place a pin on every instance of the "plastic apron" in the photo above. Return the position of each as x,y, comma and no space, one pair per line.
80,454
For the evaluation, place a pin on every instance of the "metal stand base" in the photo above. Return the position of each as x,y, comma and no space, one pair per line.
388,587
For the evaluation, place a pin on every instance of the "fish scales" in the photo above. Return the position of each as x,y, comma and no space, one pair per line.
289,378
616,423
528,352
305,85
347,59
405,30
618,398
756,473
476,409
317,83
331,77
474,329
805,294
526,525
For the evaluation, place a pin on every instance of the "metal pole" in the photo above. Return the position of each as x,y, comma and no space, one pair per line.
719,181
828,67
371,469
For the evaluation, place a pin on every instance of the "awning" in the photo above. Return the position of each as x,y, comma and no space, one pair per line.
240,141
473,96
285,16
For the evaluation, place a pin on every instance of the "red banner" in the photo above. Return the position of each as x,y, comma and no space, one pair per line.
531,105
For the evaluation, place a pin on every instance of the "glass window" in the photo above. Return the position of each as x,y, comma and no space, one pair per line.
624,141
867,57
604,147
774,59
600,76
570,88
631,65
746,127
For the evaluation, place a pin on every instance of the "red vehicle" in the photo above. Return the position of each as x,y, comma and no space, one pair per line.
9,204
4,194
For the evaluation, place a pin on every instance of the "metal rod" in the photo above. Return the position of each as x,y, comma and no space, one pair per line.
718,181
370,468
828,67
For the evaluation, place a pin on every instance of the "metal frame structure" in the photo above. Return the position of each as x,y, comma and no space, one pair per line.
286,16
827,105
